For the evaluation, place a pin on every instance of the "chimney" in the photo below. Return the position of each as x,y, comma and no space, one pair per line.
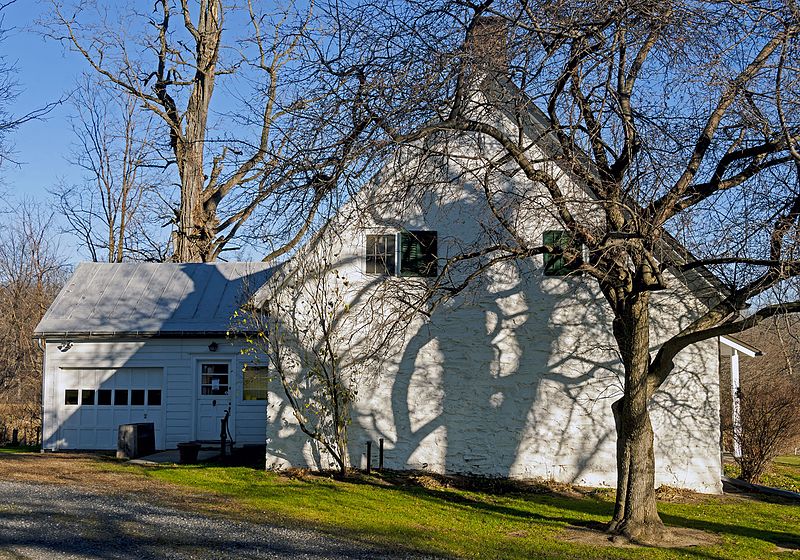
487,44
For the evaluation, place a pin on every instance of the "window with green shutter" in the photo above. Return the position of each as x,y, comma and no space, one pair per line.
557,265
418,253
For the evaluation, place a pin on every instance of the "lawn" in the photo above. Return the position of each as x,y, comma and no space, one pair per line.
463,519
421,514
19,449
784,473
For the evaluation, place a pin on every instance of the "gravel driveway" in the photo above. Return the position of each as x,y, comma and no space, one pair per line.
50,521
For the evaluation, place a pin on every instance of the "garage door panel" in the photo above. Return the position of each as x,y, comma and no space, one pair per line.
94,424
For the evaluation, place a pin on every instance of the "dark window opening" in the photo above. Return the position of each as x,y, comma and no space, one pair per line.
418,253
71,396
137,397
558,265
154,397
380,254
87,397
120,397
104,397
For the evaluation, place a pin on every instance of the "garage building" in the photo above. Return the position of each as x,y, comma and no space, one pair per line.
147,342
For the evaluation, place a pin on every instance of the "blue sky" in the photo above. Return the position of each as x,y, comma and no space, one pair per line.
45,72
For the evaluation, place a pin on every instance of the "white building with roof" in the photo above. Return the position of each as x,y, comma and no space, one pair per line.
145,342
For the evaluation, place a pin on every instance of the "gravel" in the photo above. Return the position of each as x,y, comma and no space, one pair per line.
49,521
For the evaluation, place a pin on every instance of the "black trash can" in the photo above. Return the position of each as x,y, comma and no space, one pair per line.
188,452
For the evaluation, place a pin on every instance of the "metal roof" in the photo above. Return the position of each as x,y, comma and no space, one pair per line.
152,298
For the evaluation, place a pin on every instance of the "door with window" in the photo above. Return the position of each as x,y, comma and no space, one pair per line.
215,396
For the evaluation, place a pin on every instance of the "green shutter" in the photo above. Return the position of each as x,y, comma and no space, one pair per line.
556,265
418,253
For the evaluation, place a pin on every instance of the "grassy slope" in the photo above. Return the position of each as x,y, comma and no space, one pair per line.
482,525
784,473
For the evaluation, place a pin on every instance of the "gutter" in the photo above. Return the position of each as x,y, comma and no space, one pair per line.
140,334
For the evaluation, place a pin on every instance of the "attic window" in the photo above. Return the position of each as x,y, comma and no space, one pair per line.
381,254
416,255
557,265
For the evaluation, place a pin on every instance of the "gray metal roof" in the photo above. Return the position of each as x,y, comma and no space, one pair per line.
152,298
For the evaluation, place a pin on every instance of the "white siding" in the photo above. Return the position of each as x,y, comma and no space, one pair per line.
178,359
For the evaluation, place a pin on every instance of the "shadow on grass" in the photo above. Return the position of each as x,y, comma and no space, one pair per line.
20,449
583,505
553,506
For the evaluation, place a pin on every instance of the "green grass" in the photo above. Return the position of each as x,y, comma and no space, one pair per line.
20,449
471,524
784,473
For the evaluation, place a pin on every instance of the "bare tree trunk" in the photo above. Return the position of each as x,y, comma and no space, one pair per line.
196,225
635,513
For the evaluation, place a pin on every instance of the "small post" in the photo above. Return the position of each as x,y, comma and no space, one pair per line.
223,432
369,457
380,454
15,437
223,435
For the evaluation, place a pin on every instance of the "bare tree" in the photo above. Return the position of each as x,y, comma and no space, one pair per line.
31,273
114,211
770,418
769,397
222,179
680,120
320,349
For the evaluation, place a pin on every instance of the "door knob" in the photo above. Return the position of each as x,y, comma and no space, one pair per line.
214,402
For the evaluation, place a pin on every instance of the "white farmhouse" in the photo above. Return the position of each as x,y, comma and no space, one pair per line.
513,376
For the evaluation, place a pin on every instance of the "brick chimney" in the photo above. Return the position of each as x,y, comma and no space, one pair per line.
487,44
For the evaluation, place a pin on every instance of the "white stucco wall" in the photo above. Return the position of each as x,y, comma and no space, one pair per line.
516,376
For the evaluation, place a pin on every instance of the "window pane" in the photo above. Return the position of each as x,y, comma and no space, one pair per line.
254,386
120,397
87,397
71,396
557,265
214,379
418,251
104,397
154,397
137,397
380,254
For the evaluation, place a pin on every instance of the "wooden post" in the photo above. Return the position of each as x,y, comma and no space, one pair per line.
369,457
736,414
380,454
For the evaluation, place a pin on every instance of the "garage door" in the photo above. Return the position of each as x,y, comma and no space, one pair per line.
92,403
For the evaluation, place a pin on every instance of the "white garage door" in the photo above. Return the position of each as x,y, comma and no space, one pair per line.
92,403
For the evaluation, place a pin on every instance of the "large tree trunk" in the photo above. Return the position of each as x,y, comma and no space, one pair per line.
635,513
194,240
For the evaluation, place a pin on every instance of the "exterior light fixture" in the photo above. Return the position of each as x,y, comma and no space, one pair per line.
64,346
213,347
